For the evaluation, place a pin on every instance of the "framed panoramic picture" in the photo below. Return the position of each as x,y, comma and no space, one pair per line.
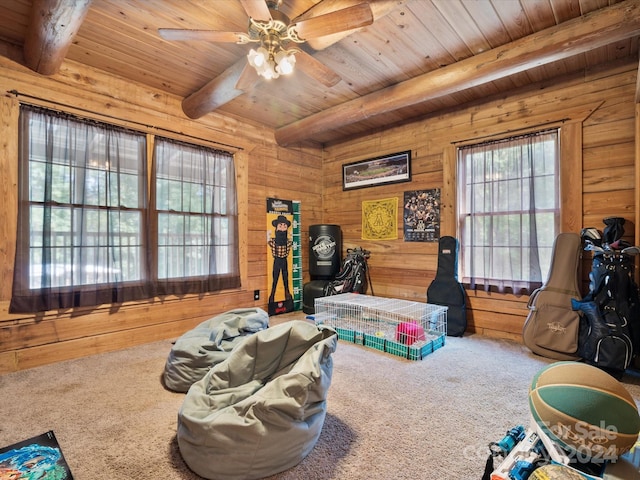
394,168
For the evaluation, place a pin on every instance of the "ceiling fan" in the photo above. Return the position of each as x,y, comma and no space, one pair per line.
279,48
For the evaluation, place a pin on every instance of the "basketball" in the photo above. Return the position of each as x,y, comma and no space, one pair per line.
555,472
584,410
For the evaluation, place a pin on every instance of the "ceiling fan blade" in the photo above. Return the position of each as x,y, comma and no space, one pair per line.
316,69
342,20
248,77
207,35
380,9
256,9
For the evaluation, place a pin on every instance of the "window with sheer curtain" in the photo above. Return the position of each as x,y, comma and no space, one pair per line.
195,218
509,208
87,231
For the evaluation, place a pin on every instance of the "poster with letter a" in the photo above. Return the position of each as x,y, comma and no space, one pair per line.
283,258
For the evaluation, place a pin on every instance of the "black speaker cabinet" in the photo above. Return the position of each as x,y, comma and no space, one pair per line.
325,247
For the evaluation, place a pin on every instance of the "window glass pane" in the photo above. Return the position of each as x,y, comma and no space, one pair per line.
193,188
80,175
509,209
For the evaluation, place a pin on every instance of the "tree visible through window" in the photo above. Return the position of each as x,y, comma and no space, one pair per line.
84,222
508,206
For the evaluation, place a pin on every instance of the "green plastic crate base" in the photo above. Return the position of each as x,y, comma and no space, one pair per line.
346,334
373,341
419,350
416,351
397,349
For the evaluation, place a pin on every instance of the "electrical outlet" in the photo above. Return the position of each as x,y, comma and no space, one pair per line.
256,294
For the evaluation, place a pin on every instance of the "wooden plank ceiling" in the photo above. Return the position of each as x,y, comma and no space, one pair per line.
416,58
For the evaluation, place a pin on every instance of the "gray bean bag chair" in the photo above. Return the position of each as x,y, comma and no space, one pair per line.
196,351
260,411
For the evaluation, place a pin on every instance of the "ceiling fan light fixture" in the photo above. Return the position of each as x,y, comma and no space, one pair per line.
273,62
258,58
285,62
268,71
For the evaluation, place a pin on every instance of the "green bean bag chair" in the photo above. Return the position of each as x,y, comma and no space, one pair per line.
261,410
196,351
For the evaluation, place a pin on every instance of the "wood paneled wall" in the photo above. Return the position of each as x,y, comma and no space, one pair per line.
263,170
595,111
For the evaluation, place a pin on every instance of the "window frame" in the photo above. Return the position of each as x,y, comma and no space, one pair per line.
511,284
197,283
144,288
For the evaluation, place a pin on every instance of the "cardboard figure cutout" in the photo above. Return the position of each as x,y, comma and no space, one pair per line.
280,248
284,272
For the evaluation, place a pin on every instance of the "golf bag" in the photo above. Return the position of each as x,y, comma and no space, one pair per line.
353,275
610,323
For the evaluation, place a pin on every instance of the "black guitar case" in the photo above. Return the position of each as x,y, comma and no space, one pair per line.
445,289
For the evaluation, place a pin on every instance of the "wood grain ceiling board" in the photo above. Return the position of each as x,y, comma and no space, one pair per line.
415,38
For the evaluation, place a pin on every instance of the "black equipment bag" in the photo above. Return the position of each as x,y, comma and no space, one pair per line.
352,277
613,230
610,324
445,290
615,292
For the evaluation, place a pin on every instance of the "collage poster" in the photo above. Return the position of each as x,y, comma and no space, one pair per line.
422,215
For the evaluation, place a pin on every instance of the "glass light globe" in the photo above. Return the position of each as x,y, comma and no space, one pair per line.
285,62
257,58
269,71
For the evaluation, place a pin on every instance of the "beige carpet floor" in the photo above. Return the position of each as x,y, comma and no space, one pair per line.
388,418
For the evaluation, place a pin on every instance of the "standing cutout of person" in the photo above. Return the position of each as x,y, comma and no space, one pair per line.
280,247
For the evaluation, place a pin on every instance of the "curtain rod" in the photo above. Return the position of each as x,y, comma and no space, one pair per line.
18,94
492,137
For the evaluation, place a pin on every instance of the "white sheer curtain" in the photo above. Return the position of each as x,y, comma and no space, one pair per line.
89,233
195,218
508,203
81,213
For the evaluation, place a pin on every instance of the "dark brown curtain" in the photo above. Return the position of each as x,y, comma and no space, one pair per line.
86,233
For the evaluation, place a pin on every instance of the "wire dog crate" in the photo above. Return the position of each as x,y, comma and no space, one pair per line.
404,328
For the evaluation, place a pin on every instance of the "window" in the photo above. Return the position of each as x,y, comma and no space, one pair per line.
84,223
508,207
196,218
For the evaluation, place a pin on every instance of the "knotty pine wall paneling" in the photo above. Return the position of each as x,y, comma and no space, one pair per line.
595,112
263,169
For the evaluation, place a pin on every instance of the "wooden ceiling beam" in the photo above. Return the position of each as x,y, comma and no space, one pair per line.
218,91
52,28
579,35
